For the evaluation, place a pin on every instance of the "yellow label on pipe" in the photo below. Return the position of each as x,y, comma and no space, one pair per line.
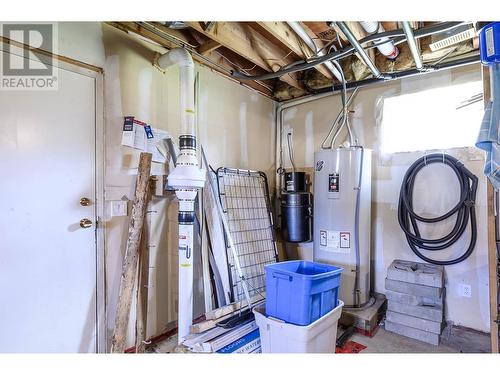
190,110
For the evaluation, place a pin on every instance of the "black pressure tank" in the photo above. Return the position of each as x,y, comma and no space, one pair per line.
296,208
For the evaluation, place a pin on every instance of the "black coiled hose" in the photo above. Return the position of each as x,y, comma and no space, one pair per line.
408,219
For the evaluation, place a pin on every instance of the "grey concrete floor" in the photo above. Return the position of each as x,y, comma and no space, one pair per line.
388,342
453,340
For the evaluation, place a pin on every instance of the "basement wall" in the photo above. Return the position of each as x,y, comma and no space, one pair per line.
235,127
310,123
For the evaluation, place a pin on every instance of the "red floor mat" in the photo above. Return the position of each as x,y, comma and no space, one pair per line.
350,347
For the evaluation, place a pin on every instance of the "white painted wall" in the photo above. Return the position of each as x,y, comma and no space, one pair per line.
236,129
310,123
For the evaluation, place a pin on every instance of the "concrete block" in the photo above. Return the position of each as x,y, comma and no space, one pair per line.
434,313
417,334
416,273
408,299
413,289
414,322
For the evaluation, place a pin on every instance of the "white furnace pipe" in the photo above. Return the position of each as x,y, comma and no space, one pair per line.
186,178
302,34
183,59
387,49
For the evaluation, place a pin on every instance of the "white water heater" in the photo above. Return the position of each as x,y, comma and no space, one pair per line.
342,209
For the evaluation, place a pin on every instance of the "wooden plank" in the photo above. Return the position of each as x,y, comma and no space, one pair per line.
209,324
249,44
492,240
286,35
51,55
129,269
228,309
208,47
141,319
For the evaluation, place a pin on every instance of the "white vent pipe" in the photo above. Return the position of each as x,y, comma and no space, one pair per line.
302,34
186,178
387,49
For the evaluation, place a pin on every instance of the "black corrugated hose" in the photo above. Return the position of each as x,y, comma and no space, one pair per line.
408,219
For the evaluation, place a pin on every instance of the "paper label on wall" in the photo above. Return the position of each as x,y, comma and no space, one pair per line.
335,241
141,136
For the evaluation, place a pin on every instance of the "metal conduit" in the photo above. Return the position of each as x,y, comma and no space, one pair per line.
412,43
362,53
302,34
398,35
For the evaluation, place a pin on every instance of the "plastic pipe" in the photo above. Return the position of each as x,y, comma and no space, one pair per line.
186,178
387,49
183,59
412,43
302,34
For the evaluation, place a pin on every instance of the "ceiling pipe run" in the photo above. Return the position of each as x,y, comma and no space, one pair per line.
331,91
397,35
186,179
387,49
359,49
412,43
474,59
302,34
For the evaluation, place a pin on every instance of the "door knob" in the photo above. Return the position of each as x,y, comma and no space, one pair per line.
85,223
84,201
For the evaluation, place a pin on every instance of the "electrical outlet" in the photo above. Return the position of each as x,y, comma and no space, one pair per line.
465,290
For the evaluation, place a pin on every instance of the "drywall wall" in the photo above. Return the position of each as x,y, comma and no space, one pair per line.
235,128
310,123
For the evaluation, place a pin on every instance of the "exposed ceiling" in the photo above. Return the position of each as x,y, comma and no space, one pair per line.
258,48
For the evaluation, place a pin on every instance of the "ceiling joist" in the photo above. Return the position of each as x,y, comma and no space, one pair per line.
285,34
258,48
212,59
251,45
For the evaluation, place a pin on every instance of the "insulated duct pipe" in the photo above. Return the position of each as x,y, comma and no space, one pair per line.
302,34
359,49
186,179
412,43
387,49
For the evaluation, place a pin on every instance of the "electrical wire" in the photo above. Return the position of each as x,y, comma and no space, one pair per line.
464,209
342,118
290,151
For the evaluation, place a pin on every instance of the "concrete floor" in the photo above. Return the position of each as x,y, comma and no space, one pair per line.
383,342
388,342
453,340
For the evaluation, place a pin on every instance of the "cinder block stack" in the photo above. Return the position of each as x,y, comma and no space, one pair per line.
415,294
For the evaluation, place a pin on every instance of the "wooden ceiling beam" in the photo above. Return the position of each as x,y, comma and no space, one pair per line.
286,35
208,47
251,45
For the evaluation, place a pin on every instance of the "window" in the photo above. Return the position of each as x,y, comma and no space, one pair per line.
440,118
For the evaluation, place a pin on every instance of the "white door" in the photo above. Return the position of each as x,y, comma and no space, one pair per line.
47,260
